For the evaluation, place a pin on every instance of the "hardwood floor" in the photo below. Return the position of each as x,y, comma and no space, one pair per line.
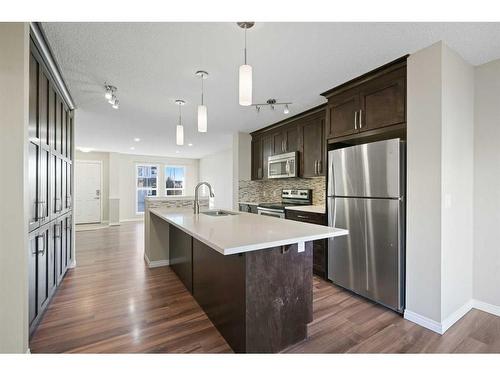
112,303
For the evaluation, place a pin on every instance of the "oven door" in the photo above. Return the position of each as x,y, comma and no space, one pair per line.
270,212
282,166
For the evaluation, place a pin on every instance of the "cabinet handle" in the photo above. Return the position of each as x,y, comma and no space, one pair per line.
315,167
319,166
302,217
40,248
356,120
360,118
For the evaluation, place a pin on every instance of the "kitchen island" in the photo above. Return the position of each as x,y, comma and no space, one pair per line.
251,274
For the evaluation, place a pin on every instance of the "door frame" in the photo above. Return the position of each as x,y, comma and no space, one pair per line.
99,162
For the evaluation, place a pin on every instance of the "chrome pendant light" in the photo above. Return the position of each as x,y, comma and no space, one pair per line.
245,81
202,108
179,130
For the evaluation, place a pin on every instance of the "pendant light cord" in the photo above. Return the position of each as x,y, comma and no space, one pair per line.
245,45
202,76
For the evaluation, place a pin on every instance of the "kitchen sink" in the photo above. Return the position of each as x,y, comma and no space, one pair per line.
219,213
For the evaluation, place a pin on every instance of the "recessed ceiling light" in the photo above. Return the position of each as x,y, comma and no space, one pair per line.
137,139
84,149
190,144
132,148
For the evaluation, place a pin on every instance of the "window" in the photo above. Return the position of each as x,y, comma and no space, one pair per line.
146,184
175,180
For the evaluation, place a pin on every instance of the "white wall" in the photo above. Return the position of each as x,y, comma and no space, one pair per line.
440,191
119,184
487,185
127,172
14,83
457,182
217,169
423,227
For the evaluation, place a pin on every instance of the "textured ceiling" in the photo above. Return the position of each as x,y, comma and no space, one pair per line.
152,64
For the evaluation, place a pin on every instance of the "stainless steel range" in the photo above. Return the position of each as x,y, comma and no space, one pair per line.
289,197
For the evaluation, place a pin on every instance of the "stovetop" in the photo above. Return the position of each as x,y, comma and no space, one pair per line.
282,205
290,197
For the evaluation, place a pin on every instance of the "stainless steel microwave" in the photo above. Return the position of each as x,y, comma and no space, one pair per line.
282,165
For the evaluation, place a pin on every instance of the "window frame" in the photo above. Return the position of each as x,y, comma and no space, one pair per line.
137,189
183,190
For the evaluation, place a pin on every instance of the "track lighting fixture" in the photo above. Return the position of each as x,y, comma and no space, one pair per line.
110,95
245,81
202,108
179,130
272,103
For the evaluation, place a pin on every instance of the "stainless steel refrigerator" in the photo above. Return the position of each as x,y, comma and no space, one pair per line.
366,195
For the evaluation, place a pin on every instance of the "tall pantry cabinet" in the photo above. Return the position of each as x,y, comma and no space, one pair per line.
50,185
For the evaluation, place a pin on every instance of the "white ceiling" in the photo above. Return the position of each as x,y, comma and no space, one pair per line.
152,64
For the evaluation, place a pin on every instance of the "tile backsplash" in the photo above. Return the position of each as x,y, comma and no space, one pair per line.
270,190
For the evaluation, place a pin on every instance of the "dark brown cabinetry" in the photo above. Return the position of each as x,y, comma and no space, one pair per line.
181,256
50,148
312,135
320,253
250,208
304,133
376,100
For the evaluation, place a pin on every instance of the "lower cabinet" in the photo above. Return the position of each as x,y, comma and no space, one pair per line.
180,256
48,260
320,253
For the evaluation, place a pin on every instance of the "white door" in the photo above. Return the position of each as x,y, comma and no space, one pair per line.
87,192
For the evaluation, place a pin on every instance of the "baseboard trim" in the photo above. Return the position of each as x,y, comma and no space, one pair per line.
73,264
114,224
423,321
439,327
155,263
132,219
486,307
456,316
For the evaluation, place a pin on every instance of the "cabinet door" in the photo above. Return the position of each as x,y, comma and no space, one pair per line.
52,257
43,175
32,278
33,100
43,106
69,136
59,251
181,256
64,117
63,186
69,239
69,185
312,152
257,167
52,117
291,138
34,206
383,101
58,125
267,150
278,141
342,112
56,185
42,244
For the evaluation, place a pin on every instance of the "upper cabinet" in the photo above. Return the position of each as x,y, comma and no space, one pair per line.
371,102
304,133
312,150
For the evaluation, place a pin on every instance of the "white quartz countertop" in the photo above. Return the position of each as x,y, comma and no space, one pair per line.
319,209
234,234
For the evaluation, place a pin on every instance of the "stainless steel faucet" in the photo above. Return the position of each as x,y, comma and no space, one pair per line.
196,205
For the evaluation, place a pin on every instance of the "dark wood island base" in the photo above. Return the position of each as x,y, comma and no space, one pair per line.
260,301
